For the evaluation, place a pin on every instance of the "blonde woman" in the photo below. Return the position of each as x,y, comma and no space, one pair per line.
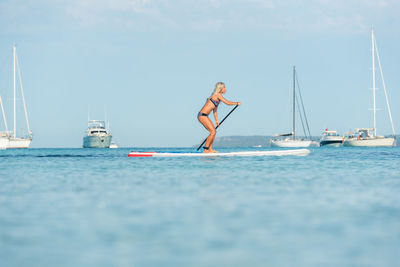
212,105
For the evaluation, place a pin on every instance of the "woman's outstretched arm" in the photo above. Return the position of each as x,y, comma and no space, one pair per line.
230,103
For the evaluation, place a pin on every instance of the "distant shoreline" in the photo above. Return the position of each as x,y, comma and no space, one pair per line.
239,141
247,141
251,141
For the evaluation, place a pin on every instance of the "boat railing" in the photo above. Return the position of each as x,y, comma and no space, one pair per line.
96,124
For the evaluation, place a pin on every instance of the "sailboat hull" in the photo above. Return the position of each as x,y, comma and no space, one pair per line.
291,143
3,142
19,143
369,142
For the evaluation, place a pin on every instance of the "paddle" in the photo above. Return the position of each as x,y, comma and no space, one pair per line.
218,125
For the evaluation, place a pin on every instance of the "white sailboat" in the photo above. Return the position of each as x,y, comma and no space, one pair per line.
14,140
289,140
366,137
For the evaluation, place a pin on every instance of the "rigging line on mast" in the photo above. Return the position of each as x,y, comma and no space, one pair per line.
301,117
4,115
384,86
22,94
302,105
295,100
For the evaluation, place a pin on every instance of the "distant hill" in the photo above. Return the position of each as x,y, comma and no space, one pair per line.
242,141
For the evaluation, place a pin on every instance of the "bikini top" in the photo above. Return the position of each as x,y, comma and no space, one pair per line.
216,103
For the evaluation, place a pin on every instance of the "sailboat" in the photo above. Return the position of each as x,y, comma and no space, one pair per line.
13,140
366,137
289,139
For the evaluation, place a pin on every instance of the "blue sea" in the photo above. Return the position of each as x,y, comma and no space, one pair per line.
98,207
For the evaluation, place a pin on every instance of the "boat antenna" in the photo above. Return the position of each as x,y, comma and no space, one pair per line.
107,124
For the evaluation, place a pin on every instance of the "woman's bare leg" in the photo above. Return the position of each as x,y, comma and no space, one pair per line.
207,123
211,143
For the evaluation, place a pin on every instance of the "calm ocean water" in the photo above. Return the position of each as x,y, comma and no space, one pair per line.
97,207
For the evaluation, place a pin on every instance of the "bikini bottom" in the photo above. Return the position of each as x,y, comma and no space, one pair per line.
201,114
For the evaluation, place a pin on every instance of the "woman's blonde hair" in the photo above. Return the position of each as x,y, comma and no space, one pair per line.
218,88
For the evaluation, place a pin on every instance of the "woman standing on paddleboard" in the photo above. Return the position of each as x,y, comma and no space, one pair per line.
212,105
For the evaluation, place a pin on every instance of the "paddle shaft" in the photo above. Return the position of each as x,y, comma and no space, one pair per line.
219,125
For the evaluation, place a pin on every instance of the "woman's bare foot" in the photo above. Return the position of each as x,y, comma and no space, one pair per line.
207,151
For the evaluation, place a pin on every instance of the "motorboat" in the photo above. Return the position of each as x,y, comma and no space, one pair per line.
97,136
330,138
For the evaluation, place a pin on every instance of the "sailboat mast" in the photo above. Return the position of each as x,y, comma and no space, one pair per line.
15,92
373,77
294,101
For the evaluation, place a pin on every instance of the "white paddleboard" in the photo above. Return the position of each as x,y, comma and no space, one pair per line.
292,152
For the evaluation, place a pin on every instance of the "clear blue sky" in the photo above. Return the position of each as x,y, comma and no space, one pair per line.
152,63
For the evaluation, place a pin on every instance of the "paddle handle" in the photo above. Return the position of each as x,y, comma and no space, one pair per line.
218,125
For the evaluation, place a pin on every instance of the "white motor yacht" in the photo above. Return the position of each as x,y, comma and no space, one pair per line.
97,135
330,138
